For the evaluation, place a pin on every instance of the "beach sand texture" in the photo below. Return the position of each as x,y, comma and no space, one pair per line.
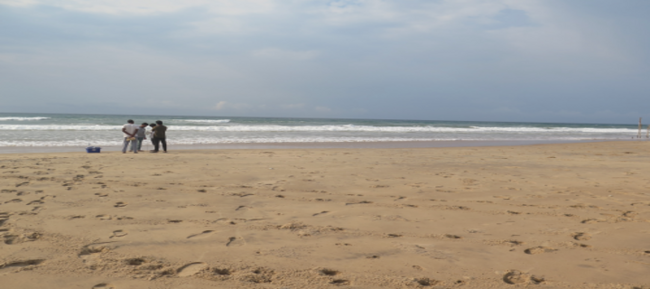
543,216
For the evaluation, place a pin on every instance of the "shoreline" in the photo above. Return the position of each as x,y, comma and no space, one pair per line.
324,145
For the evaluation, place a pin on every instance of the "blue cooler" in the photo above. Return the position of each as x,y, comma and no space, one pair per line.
93,150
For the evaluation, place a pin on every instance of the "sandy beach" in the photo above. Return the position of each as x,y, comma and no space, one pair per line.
539,216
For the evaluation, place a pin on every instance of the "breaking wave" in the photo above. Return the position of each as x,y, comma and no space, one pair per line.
330,128
18,118
206,120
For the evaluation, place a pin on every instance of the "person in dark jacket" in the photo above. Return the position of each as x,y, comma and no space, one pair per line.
159,136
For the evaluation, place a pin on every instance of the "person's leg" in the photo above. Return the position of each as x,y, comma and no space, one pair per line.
164,144
156,142
125,145
140,140
134,145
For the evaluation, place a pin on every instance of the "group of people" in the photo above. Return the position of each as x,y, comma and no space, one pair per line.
135,135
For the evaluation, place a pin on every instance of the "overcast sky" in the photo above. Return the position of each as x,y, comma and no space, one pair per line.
499,60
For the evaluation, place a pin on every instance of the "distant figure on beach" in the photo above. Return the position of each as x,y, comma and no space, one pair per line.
129,130
141,135
159,136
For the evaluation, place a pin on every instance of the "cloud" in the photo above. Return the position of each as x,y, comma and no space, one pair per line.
323,109
220,105
274,53
292,106
384,59
149,7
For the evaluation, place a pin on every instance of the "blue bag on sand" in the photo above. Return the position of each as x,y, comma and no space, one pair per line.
93,150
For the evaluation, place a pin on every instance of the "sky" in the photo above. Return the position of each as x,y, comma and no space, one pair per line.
473,60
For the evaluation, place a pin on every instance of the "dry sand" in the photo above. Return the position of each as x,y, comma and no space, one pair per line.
543,216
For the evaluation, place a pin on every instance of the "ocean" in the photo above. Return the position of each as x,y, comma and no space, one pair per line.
81,130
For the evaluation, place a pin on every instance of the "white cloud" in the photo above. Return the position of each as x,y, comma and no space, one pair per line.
220,105
144,7
323,109
230,106
19,3
275,53
292,106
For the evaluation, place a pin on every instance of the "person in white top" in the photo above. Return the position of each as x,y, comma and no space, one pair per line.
151,132
129,131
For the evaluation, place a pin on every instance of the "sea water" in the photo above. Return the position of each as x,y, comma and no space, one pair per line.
78,130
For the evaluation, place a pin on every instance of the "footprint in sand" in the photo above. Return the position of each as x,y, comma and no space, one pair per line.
202,234
94,248
22,184
581,236
328,272
14,201
120,205
101,195
90,254
118,234
517,277
191,269
235,241
21,264
103,286
426,282
630,214
539,250
362,202
222,271
590,221
35,202
17,239
104,217
323,212
340,282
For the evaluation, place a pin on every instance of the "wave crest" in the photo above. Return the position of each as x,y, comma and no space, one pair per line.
206,120
19,118
329,128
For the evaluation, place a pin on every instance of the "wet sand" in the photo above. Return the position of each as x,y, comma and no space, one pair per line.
325,145
538,216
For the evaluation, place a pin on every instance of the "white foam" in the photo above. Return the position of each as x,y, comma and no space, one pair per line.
332,128
55,127
255,140
206,120
18,118
203,141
